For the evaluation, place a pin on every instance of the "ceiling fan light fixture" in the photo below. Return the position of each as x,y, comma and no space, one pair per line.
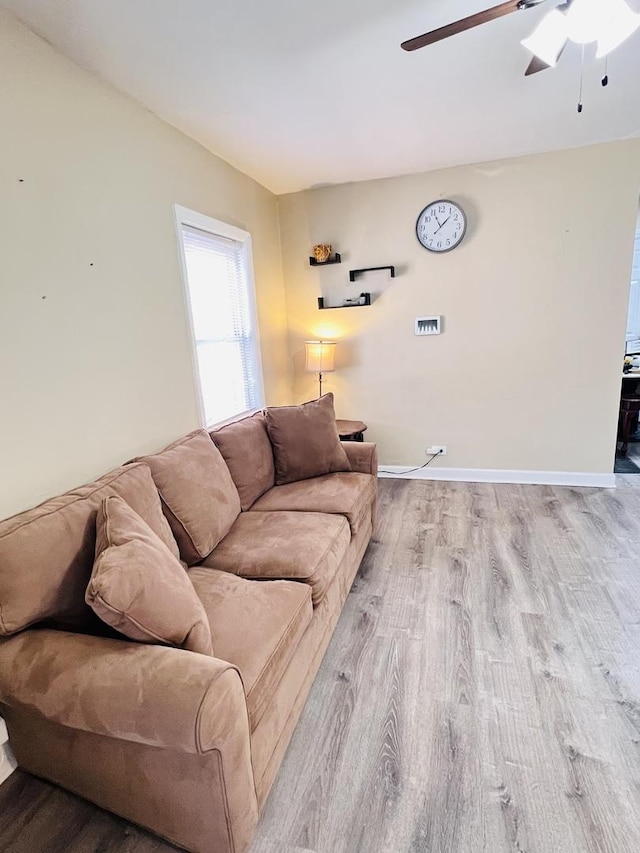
622,24
588,19
549,37
609,22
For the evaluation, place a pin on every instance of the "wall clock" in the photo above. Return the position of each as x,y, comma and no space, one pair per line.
441,226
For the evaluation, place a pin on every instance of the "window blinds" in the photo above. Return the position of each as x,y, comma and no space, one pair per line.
220,294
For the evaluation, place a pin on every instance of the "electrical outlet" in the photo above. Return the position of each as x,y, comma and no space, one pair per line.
440,449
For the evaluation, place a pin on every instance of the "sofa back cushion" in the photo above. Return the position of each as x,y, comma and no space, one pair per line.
198,496
47,553
247,451
305,440
140,588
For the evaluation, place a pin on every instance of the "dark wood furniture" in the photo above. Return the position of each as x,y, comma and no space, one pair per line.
350,430
629,415
627,420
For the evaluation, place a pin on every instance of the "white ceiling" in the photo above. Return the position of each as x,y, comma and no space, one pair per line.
298,94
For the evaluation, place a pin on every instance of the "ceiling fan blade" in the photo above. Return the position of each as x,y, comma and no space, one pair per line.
462,25
537,64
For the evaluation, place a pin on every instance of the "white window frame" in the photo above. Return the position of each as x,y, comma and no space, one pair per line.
185,216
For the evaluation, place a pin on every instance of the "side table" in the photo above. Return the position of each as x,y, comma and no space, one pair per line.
350,430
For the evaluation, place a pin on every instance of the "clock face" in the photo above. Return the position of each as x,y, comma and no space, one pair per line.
441,226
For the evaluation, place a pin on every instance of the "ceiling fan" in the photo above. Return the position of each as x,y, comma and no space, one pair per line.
607,22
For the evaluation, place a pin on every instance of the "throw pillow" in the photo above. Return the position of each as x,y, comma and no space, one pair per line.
247,451
305,440
139,588
198,496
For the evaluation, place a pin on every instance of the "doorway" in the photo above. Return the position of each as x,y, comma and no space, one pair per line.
628,447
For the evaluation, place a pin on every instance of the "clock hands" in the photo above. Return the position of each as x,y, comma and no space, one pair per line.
435,216
441,224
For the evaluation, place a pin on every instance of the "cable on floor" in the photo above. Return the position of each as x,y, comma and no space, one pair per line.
411,470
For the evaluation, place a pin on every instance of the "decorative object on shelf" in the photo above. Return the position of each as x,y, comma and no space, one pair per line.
320,359
357,302
336,259
441,226
322,253
428,325
353,274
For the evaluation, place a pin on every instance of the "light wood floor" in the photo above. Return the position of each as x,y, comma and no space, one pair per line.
481,693
633,452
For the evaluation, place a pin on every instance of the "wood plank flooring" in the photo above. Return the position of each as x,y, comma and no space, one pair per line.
481,693
633,452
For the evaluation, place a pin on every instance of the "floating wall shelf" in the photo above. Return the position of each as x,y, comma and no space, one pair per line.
336,259
367,301
353,274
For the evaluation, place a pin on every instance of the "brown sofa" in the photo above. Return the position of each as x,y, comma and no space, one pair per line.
183,743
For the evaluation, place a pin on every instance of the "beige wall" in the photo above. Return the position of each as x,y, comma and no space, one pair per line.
94,347
526,374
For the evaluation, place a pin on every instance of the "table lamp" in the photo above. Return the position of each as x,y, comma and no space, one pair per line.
319,358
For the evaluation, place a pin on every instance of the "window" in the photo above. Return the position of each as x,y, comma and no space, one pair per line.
218,273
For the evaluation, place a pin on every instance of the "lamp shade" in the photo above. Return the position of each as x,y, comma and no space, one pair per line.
586,19
609,22
319,356
549,37
622,24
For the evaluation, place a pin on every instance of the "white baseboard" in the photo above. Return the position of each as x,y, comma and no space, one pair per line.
7,761
495,475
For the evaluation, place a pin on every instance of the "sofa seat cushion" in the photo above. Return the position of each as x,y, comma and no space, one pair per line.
255,625
348,493
198,496
246,449
301,546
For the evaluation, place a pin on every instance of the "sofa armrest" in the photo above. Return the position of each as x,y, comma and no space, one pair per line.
363,456
157,735
151,695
